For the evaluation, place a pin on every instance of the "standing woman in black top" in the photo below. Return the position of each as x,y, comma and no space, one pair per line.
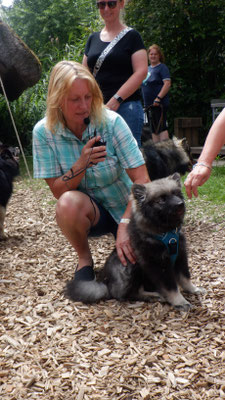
124,67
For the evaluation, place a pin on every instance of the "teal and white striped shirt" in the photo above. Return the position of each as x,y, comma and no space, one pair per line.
107,182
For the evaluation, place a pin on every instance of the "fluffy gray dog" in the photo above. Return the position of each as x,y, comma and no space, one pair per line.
167,157
162,266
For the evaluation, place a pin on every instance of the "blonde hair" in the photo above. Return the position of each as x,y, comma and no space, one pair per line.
159,51
61,79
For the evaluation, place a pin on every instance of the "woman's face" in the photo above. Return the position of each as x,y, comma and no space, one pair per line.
77,104
108,13
154,56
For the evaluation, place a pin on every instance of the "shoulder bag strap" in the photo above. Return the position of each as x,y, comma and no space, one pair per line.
104,53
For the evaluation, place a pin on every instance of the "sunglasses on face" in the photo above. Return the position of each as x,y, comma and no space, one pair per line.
102,4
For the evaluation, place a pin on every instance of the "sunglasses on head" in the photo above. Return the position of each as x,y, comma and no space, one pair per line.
102,4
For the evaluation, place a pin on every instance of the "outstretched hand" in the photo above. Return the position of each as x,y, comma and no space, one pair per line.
196,178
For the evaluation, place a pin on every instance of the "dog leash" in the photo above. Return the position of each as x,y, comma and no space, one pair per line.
146,110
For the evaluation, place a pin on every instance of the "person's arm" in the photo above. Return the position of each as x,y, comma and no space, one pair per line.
72,178
163,92
124,249
214,141
140,70
213,144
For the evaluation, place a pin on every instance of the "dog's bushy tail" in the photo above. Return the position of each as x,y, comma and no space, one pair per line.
86,291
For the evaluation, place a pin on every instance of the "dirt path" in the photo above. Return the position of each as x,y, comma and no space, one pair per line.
51,348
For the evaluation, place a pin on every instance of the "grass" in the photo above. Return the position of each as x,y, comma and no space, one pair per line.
209,206
23,170
214,189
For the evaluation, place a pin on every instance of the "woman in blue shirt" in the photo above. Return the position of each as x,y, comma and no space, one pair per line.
89,158
155,90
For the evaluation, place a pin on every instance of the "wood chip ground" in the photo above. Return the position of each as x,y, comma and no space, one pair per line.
53,349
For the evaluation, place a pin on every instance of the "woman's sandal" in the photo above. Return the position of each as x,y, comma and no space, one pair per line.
85,274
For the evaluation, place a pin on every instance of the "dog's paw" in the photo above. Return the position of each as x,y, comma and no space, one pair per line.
198,290
183,307
178,301
188,287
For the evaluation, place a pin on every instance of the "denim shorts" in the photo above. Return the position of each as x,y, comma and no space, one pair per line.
132,113
106,223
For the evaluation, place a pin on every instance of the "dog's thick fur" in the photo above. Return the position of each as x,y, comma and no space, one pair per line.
9,169
167,157
157,207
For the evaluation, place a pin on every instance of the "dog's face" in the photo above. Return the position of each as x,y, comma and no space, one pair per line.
9,159
9,153
159,205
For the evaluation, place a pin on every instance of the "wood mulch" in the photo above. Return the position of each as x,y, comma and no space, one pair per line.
52,348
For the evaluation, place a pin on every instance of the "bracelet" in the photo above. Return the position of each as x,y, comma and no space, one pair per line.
124,220
160,98
118,98
203,164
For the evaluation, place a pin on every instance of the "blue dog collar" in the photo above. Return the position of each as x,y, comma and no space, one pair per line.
171,241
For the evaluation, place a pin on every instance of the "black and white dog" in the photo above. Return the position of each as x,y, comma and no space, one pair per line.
9,169
157,238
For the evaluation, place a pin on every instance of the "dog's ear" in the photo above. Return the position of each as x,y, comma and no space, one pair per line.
176,178
139,192
184,142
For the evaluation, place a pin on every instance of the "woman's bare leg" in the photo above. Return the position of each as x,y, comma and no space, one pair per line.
160,137
75,215
164,135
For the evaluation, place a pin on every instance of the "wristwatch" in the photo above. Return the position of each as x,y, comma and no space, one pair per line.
118,98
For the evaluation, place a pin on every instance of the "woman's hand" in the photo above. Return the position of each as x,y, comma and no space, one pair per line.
113,104
123,246
90,155
196,178
92,152
156,102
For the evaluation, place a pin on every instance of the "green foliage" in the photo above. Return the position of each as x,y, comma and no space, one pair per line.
43,22
192,36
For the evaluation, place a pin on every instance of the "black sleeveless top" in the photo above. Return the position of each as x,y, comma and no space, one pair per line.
117,66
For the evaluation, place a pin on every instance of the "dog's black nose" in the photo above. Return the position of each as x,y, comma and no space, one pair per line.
177,205
180,204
